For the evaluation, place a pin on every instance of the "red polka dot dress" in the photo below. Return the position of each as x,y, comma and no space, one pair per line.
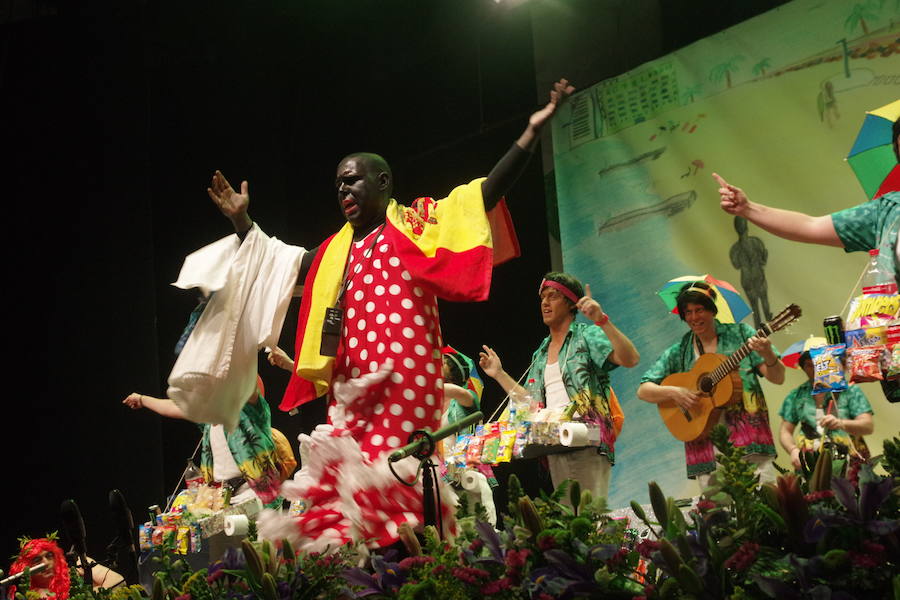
348,488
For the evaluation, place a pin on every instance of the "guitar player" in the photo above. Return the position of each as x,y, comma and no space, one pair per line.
748,419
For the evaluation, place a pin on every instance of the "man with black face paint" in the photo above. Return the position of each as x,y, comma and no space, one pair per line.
370,296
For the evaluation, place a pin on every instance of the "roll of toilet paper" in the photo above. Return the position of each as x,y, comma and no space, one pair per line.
236,524
579,434
479,490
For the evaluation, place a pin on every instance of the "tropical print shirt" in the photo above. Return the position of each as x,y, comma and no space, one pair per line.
747,421
870,225
584,364
253,449
799,408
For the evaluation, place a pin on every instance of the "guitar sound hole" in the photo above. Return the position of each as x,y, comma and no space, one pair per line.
705,384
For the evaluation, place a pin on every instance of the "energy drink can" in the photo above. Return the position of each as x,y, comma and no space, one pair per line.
834,329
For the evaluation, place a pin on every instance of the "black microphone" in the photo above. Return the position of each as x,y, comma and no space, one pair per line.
21,574
73,525
438,435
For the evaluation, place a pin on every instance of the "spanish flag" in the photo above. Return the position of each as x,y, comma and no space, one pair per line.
446,245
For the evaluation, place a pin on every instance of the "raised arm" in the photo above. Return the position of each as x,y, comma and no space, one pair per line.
623,353
510,166
161,406
491,365
787,224
232,204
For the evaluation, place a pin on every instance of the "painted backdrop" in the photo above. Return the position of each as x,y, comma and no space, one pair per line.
773,105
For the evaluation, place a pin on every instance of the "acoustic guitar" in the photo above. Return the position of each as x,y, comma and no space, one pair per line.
715,379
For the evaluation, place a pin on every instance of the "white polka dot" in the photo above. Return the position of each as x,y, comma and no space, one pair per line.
409,363
429,338
396,409
376,263
347,361
359,244
370,306
379,291
369,428
417,291
394,261
430,324
420,349
430,368
368,278
439,384
358,295
351,312
407,426
437,414
405,275
420,380
427,310
380,318
395,318
407,304
393,441
385,276
387,392
354,372
352,342
387,331
379,408
418,320
383,247
357,268
396,377
346,331
429,399
364,354
394,289
367,253
377,439
419,412
373,366
371,336
361,324
380,238
409,333
391,529
396,347
380,348
409,394
386,423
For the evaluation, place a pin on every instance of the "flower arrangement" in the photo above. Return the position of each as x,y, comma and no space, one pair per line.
823,534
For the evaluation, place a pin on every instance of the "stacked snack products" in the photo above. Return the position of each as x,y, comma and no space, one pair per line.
872,333
197,512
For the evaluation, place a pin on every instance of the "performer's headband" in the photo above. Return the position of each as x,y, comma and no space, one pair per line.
450,353
558,286
704,291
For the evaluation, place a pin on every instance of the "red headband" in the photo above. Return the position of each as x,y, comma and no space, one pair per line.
558,286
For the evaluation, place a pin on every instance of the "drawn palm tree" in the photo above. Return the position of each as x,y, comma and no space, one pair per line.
858,16
724,70
759,69
689,93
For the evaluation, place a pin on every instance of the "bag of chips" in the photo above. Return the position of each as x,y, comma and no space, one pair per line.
473,450
828,368
864,364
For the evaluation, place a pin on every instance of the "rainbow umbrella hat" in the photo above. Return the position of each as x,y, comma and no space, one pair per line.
732,308
791,356
872,156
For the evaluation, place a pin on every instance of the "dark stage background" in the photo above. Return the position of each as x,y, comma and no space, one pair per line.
113,116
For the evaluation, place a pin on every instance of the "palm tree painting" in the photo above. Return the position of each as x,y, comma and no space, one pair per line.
724,70
689,93
759,69
858,17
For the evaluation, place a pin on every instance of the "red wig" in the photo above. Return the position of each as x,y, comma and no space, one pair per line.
32,549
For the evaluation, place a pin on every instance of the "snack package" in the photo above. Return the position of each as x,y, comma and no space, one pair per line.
893,363
873,311
829,368
473,450
507,443
145,536
183,540
868,336
489,448
523,431
196,538
459,449
893,334
864,364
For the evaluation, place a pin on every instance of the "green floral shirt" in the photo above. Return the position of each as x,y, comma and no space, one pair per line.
253,450
585,366
869,225
799,408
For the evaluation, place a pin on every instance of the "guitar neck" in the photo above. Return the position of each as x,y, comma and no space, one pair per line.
734,359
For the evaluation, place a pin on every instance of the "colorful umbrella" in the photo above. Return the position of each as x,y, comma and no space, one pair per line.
732,308
791,356
872,156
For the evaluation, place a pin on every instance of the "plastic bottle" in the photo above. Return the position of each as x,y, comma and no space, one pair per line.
876,280
192,476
